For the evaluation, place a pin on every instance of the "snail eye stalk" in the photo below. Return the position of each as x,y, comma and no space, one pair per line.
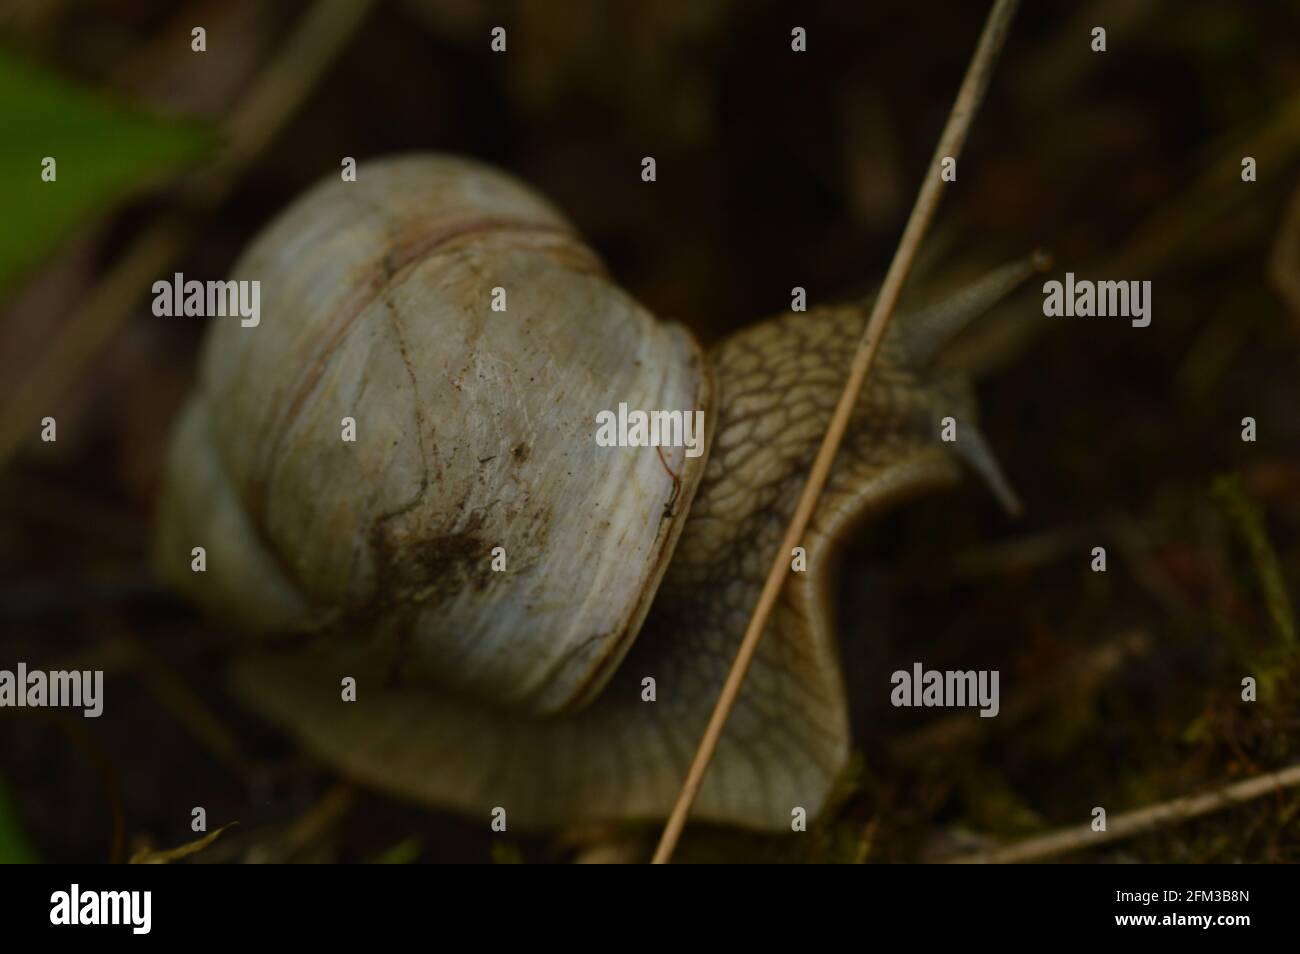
925,333
974,450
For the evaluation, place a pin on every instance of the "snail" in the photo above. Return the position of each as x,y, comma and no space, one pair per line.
531,620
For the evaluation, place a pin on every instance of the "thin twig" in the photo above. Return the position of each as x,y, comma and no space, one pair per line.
280,89
166,856
84,741
306,830
189,708
128,654
867,841
1078,677
950,143
1138,821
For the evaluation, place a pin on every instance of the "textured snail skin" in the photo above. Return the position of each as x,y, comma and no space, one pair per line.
365,295
622,758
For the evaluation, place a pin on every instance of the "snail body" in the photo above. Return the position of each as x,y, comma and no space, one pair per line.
525,686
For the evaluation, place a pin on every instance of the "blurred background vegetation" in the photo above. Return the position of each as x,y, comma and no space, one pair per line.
775,169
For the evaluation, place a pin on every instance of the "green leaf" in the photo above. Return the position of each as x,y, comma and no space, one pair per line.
103,150
14,849
1245,514
506,853
405,852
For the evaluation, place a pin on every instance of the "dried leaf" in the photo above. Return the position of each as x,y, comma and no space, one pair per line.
176,854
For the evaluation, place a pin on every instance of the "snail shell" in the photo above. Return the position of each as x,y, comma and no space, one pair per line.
473,430
478,689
